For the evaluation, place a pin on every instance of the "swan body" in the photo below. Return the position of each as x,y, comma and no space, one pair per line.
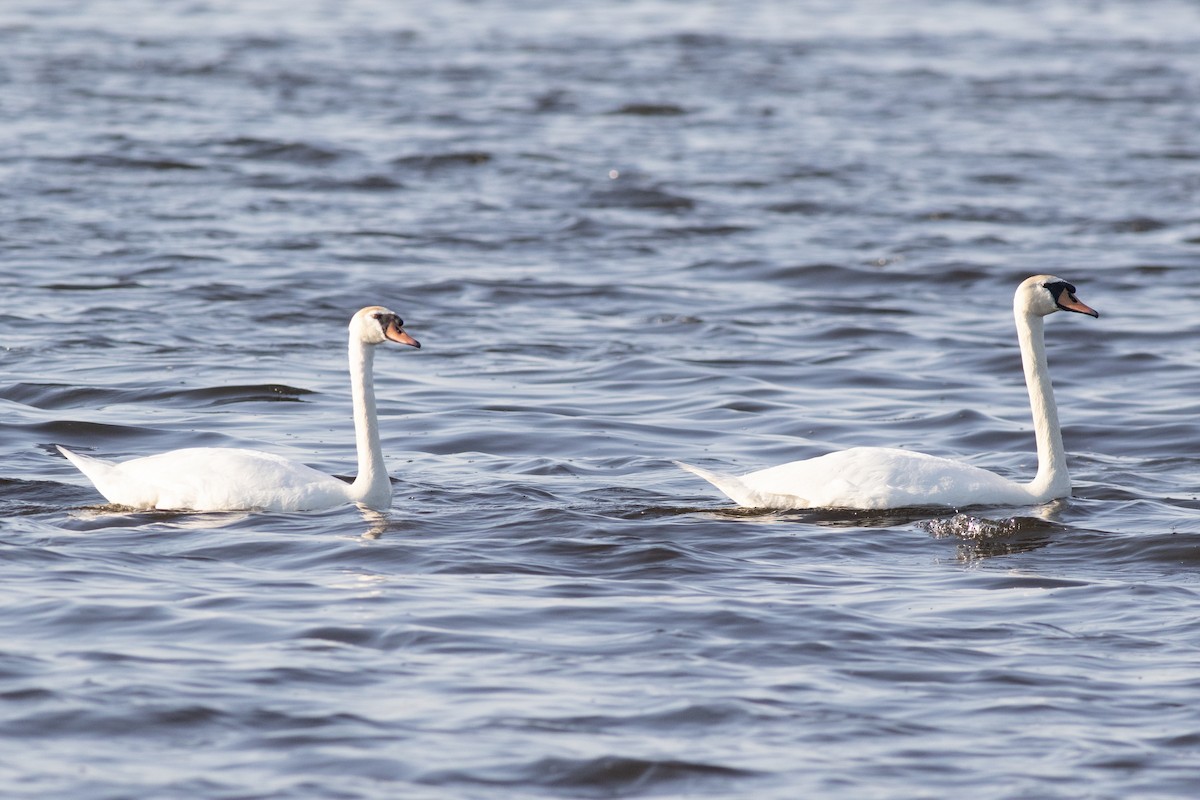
235,479
874,478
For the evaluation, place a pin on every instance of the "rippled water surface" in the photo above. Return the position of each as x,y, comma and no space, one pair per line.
733,234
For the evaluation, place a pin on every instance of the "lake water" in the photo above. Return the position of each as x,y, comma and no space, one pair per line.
733,234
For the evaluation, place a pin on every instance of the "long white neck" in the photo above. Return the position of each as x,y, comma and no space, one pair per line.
1052,479
371,487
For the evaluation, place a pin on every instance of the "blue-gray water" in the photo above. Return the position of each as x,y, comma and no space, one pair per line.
734,234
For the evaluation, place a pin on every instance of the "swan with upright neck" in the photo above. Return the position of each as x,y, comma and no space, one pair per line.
873,478
233,479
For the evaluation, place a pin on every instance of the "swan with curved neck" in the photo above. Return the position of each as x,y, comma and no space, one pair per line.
882,477
233,479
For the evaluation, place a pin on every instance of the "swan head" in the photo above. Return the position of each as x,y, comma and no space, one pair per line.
376,325
1042,295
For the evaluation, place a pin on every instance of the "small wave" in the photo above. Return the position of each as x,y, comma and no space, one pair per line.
803,208
373,182
971,213
702,230
50,396
641,198
604,776
1169,155
28,497
109,161
997,178
250,393
1135,225
276,150
650,110
92,287
433,161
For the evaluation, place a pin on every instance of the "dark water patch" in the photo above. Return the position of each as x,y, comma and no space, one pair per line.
30,497
382,234
93,723
997,215
292,152
602,776
65,430
340,635
831,276
1178,550
171,260
368,183
220,292
640,198
650,110
1169,155
225,395
1135,225
806,208
1154,270
997,178
110,285
823,172
57,396
115,162
32,695
832,518
297,243
438,161
685,231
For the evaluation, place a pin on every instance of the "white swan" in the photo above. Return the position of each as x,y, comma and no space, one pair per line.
231,479
883,477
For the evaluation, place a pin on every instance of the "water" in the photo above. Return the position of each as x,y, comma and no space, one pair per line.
732,234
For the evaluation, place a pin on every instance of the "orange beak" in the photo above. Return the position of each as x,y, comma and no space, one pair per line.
396,334
1069,302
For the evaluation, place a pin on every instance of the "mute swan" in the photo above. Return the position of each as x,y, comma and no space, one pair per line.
884,477
230,479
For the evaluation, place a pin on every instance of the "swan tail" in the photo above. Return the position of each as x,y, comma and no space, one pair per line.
96,470
730,485
85,464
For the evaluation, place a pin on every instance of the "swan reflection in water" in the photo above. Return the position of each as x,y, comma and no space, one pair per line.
378,523
105,517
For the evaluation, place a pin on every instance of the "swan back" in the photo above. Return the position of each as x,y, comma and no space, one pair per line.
871,478
212,479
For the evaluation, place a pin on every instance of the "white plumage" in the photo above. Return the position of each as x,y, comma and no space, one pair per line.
884,477
234,479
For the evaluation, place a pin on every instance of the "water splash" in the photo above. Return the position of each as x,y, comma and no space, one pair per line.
965,526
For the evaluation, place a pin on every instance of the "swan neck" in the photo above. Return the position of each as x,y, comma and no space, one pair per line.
1052,479
371,486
